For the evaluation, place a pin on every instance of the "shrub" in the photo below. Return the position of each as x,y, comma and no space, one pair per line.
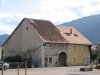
16,58
15,64
97,67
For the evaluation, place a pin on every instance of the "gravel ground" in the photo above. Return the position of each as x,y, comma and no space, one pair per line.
74,70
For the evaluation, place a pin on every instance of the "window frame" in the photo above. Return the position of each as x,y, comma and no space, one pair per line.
74,59
50,59
75,48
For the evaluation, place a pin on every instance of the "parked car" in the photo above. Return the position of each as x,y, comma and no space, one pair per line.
5,65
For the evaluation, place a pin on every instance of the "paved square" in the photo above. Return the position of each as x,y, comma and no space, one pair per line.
74,70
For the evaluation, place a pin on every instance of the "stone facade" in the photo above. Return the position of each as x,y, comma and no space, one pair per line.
42,42
0,51
78,55
52,52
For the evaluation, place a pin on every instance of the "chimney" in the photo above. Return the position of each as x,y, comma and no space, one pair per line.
70,30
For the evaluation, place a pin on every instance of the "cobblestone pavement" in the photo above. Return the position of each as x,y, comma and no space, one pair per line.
74,70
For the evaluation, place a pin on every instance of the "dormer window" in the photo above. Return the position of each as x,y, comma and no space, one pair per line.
75,34
68,34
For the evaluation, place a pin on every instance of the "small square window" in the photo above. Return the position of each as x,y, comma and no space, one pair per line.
50,46
63,46
44,44
27,28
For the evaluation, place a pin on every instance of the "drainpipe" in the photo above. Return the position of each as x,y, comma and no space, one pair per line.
2,58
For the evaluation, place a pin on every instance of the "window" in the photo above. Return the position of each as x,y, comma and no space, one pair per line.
74,59
27,28
50,59
45,45
86,60
63,46
67,34
46,61
50,46
85,48
75,48
75,34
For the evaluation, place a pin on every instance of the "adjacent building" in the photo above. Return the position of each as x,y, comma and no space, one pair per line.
98,49
0,51
78,46
47,45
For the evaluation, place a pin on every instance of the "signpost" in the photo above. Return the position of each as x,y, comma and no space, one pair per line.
26,67
2,60
18,69
26,58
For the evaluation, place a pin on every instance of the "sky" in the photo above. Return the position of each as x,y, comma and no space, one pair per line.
57,11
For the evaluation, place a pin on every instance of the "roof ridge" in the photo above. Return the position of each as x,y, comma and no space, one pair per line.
38,19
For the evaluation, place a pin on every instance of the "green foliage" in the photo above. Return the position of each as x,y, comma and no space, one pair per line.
16,58
97,67
93,55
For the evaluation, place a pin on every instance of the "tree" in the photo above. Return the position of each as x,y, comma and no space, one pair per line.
16,58
93,56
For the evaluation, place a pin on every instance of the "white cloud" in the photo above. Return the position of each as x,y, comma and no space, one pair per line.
3,3
5,15
58,11
90,10
67,10
9,21
6,28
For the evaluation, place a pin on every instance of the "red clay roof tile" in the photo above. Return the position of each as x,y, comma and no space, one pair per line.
47,30
72,35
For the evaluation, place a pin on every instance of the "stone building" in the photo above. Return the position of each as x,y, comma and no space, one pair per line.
47,45
0,51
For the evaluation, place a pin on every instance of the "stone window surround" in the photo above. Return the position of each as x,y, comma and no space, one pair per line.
74,59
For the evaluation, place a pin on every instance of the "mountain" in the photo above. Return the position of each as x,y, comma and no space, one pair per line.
88,26
3,38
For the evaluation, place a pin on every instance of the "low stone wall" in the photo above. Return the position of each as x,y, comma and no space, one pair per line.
86,69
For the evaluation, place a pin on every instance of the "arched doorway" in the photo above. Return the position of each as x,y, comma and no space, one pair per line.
62,59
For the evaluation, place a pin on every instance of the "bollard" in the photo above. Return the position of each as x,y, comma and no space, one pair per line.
18,69
25,67
2,61
2,68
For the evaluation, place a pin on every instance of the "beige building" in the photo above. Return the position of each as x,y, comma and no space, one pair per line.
47,45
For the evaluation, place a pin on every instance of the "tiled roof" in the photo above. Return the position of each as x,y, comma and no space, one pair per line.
72,35
47,30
